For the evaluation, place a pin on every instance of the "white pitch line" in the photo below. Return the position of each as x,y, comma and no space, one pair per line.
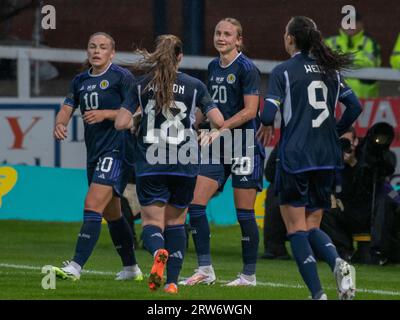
259,283
20,266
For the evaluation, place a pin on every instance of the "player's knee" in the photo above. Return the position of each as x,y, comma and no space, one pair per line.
243,203
175,220
313,221
112,215
92,203
147,221
204,191
245,198
201,198
295,226
312,225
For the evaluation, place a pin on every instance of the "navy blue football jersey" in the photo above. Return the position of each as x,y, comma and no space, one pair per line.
167,142
229,84
307,98
109,90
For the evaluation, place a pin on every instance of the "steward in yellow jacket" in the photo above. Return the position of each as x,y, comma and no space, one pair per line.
366,54
395,57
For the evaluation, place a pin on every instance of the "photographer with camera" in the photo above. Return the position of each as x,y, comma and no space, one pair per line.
365,202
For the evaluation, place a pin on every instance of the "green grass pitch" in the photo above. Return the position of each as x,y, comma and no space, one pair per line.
25,247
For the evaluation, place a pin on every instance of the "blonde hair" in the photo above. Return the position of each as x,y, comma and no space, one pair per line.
162,64
239,30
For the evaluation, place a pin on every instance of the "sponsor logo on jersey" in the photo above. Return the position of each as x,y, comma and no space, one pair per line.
104,84
91,87
244,179
231,78
219,80
102,176
82,88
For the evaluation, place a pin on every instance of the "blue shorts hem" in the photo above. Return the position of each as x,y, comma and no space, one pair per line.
147,203
179,206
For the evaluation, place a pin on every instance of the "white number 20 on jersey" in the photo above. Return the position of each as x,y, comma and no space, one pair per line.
318,105
219,94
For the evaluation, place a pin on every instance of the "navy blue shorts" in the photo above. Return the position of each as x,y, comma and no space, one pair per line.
243,175
310,189
110,170
172,189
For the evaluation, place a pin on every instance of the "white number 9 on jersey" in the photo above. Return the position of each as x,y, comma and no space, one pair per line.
318,105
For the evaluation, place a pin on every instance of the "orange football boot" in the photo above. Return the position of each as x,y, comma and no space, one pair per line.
171,288
157,270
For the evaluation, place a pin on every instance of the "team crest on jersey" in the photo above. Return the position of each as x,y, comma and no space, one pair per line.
231,78
104,84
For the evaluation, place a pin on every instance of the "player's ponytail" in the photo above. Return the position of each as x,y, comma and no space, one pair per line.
162,65
309,40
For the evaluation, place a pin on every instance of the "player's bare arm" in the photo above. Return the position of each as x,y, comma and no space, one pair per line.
265,134
249,112
96,116
216,118
62,120
124,119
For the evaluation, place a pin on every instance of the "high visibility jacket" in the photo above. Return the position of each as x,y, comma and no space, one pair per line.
366,54
395,57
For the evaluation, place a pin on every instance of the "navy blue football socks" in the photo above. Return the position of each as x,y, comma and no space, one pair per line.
200,233
250,239
302,252
122,237
323,245
88,236
175,243
153,238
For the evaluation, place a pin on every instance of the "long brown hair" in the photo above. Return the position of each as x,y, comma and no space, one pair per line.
162,66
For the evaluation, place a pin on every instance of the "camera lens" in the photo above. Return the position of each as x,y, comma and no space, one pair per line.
380,136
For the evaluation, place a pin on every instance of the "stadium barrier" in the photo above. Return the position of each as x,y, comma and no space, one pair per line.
25,56
56,194
26,127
